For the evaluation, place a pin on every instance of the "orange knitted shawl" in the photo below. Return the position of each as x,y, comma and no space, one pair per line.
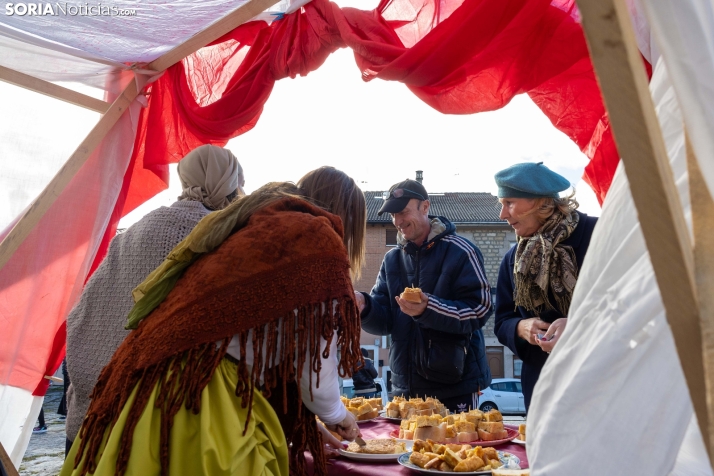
289,256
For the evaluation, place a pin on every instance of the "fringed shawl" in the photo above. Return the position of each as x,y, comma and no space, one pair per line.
289,256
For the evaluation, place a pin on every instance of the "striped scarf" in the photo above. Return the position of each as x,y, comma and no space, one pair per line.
543,264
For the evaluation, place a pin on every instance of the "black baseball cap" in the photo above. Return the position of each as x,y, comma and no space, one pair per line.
400,194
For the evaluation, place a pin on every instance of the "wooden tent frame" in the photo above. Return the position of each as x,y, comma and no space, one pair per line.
111,114
684,273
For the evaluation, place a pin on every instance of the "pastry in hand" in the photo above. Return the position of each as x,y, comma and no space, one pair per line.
412,295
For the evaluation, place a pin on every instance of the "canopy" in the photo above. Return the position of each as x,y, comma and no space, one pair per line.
460,58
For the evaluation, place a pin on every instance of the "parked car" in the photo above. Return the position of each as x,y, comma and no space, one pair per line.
505,395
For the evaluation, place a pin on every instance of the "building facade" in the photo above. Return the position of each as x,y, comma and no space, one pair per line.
476,218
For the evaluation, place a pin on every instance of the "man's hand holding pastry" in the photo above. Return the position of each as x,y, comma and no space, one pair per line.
412,302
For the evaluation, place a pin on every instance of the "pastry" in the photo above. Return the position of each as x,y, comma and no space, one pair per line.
412,295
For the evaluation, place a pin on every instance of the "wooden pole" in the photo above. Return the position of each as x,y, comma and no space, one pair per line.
52,90
624,86
7,463
703,224
45,200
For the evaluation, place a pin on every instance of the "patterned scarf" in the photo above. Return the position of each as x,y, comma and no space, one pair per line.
542,263
289,256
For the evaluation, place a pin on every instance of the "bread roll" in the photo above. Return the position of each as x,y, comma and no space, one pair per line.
460,426
491,426
436,433
474,463
487,436
412,295
369,415
466,436
418,459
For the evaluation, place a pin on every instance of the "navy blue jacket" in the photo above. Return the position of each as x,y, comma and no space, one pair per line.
363,378
508,316
449,269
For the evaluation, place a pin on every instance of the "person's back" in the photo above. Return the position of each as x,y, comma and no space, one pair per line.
363,379
95,326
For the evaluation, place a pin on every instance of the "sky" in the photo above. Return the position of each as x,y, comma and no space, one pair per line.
377,132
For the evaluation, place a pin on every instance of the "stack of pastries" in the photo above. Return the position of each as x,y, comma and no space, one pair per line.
457,428
402,408
453,457
363,408
522,432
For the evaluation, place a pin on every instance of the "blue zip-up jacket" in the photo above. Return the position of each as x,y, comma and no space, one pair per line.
449,269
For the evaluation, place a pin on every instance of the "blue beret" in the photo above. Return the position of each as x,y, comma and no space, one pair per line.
529,180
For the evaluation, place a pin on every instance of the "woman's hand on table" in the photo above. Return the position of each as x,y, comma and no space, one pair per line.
347,428
331,444
551,337
528,329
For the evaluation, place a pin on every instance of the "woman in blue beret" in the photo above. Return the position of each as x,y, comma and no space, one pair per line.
538,275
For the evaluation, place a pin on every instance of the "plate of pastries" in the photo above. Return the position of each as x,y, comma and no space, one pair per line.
472,427
378,449
364,409
452,458
401,408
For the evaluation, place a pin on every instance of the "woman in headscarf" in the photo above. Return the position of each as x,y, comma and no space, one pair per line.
211,177
235,347
538,275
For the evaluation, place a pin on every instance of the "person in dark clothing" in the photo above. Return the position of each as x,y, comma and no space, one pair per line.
42,427
438,347
363,379
537,276
62,408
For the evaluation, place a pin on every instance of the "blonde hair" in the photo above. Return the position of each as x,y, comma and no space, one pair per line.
337,193
544,207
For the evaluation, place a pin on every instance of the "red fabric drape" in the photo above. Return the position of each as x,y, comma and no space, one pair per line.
465,60
460,58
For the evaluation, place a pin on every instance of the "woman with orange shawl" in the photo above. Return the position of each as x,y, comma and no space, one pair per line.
235,345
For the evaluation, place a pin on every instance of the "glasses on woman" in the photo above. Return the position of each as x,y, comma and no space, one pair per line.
399,193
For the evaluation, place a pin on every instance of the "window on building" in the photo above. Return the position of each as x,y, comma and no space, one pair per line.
517,364
392,237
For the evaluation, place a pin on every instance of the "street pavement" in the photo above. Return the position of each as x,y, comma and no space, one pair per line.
45,454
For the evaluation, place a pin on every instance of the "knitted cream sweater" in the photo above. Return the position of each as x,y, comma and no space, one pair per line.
95,327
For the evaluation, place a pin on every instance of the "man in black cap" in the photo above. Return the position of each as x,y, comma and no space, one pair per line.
437,345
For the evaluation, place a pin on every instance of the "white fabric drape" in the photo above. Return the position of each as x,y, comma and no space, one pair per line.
614,385
43,279
612,398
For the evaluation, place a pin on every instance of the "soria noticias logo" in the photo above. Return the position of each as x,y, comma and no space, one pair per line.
66,9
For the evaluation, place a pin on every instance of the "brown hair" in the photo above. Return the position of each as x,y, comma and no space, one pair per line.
337,193
545,207
325,187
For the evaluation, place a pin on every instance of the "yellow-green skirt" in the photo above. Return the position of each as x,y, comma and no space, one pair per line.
210,443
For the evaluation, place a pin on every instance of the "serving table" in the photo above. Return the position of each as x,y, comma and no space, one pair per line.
381,428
